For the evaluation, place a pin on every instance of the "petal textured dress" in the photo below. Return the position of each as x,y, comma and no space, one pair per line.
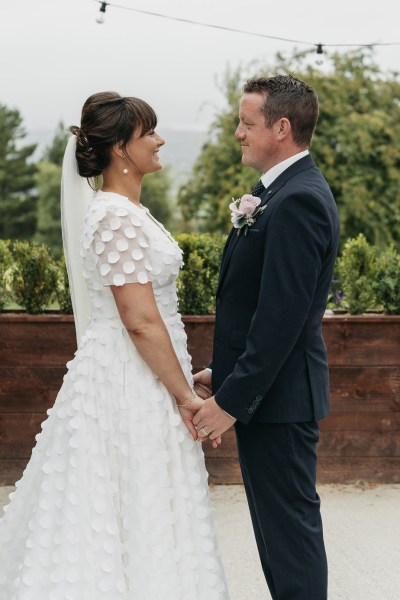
114,502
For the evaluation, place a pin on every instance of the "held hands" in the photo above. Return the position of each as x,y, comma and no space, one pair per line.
202,383
188,410
202,386
211,420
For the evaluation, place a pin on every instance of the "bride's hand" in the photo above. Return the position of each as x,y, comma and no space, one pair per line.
214,443
187,413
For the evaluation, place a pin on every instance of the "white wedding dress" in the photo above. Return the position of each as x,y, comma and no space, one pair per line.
114,502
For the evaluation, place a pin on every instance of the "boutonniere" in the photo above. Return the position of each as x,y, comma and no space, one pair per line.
245,211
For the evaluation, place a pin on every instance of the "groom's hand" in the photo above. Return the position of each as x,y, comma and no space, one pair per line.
202,383
211,420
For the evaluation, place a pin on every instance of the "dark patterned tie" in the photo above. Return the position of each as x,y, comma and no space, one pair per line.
258,188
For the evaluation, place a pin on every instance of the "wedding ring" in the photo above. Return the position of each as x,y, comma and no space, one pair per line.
205,432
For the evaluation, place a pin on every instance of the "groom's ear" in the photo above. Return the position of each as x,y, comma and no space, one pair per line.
283,127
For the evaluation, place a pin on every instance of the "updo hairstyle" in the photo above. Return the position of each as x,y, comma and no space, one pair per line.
108,118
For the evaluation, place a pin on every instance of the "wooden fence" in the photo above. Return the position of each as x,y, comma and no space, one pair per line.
360,440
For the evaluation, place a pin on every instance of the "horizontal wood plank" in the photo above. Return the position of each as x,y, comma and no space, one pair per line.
227,449
37,343
223,471
29,389
364,388
354,470
362,342
17,433
379,422
200,343
11,470
359,444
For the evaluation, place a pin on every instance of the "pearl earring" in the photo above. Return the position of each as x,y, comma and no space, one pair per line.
125,171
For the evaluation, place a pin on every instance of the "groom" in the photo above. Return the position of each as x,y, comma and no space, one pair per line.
269,372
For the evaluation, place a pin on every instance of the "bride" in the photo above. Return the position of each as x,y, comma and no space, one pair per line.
114,502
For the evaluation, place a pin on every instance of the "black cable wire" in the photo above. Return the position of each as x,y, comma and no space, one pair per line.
319,46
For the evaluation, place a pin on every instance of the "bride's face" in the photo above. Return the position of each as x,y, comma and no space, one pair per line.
143,151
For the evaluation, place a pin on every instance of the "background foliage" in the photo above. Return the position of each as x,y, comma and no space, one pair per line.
368,277
34,276
197,283
356,145
17,178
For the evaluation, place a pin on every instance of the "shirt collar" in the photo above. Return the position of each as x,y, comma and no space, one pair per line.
270,176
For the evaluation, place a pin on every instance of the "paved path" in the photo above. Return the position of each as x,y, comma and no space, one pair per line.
362,534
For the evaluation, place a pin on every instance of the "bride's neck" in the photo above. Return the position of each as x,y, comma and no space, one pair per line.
129,185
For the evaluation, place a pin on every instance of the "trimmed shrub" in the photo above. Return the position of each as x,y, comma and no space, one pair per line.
386,285
5,272
34,276
63,295
356,269
197,282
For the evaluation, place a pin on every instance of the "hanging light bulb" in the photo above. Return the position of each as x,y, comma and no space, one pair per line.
320,50
102,13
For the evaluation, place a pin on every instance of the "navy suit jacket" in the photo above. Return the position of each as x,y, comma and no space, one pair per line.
269,358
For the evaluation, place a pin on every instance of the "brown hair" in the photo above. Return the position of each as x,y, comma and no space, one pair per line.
289,97
108,118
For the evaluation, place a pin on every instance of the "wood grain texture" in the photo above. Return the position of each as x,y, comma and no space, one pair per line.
360,440
30,388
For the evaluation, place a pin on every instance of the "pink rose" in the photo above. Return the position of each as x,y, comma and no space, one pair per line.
248,204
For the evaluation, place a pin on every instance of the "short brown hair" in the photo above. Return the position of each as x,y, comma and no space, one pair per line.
108,118
289,97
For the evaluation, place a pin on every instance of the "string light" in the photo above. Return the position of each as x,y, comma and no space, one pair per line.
319,47
102,13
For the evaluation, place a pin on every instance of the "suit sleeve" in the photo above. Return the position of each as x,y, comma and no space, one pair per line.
297,238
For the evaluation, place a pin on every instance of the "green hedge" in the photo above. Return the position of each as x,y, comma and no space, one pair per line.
369,277
197,282
365,278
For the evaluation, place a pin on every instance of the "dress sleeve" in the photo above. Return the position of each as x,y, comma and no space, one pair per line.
122,249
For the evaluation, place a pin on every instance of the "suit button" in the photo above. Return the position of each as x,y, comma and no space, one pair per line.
251,409
258,398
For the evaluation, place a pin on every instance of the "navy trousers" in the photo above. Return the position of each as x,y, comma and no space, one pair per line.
278,463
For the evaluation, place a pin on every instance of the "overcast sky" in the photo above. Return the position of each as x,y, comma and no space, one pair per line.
53,54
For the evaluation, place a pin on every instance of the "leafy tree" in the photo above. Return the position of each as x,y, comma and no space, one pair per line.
54,153
218,174
155,195
17,183
48,231
356,145
48,181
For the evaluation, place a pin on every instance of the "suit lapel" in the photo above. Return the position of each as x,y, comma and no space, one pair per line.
230,246
299,166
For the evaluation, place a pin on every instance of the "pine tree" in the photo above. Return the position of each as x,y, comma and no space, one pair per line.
55,152
17,183
48,181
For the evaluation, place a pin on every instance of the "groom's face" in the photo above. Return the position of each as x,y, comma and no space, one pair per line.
257,140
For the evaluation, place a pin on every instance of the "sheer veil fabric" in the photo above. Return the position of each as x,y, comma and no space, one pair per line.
76,194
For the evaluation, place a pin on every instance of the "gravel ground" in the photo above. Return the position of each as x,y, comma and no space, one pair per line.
362,535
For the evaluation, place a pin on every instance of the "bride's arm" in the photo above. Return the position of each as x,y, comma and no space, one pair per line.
140,315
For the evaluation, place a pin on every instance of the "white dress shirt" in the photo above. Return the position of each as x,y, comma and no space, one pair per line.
270,176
